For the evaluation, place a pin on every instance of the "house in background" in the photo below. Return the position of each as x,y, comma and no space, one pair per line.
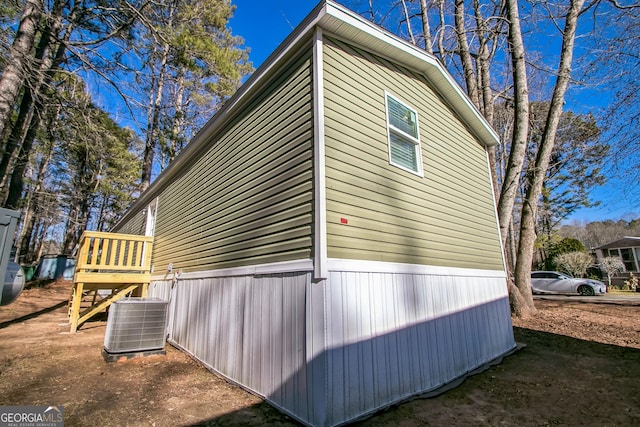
628,250
329,239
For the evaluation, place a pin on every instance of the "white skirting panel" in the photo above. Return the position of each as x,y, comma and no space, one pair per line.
250,329
159,289
330,351
390,335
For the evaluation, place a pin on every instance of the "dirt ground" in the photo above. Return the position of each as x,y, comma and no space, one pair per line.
581,366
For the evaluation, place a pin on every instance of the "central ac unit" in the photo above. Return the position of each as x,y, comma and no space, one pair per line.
136,325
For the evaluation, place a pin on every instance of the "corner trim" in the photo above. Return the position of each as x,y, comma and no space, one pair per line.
320,206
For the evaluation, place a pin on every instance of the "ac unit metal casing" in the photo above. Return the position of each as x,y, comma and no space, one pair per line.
135,325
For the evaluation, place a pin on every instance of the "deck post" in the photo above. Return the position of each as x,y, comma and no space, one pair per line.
74,313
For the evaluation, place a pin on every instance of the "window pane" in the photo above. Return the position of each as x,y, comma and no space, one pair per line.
402,118
627,258
403,152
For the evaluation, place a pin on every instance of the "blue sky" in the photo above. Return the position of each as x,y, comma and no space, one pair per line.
265,24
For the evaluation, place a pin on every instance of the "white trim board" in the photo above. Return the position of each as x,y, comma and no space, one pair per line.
319,161
299,265
401,268
335,265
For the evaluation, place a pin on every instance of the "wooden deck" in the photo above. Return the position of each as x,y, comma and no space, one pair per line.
118,263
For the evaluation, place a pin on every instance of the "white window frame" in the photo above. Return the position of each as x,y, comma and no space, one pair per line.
402,134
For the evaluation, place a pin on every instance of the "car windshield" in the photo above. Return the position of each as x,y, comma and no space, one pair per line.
549,275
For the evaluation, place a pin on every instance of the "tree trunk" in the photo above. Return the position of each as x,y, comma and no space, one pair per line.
15,138
32,206
17,176
441,32
26,233
511,179
43,232
465,54
19,61
16,183
153,124
49,64
426,28
75,219
407,19
70,230
511,247
521,298
153,118
101,223
486,97
44,62
522,271
520,306
178,118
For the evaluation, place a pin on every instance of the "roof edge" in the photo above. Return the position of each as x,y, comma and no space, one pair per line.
612,244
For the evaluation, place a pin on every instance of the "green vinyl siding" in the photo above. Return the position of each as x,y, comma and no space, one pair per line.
136,225
247,197
446,218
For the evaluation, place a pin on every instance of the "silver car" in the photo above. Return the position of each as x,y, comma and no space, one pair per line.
552,282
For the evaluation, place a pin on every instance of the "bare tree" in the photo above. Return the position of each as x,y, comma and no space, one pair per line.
98,23
189,58
31,208
159,76
574,263
611,266
407,19
519,138
426,27
522,272
465,53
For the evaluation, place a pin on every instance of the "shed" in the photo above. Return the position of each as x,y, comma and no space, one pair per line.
55,266
329,239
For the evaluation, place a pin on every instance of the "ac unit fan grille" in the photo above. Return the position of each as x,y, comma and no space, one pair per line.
136,324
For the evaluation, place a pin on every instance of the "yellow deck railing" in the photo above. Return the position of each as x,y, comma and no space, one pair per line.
120,263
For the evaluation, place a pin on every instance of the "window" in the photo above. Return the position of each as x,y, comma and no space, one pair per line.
626,256
404,137
627,259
